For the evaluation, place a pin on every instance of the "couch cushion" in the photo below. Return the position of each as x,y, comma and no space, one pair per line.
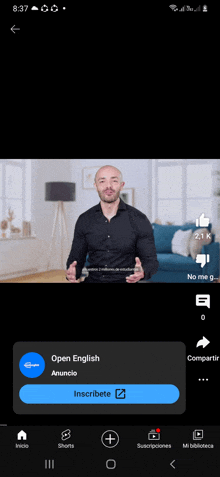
199,238
163,235
174,262
180,242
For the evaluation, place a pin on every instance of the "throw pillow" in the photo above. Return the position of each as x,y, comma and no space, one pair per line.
198,239
180,242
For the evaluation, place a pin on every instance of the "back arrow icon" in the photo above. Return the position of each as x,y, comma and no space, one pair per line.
13,29
171,463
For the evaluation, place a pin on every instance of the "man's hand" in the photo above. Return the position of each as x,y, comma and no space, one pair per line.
71,273
138,275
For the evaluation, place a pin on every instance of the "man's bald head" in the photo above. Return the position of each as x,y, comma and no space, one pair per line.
115,173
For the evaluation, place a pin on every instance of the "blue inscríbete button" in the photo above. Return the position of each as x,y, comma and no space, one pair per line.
99,394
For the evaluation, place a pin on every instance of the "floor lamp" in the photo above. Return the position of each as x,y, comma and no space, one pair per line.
59,192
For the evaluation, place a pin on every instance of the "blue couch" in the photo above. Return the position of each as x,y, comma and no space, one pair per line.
175,268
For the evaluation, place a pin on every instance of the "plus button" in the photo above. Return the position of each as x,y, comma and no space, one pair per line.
110,438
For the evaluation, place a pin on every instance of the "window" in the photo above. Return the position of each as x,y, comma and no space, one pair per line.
15,190
182,189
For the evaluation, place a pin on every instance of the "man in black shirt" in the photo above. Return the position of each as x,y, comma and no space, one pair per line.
118,238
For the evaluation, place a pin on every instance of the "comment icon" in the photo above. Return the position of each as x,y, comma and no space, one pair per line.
203,300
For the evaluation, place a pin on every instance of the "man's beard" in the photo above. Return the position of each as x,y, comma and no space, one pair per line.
109,198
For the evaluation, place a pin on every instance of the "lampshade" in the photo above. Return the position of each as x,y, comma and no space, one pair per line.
63,191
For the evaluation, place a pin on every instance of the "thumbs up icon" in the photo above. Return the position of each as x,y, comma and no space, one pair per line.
202,221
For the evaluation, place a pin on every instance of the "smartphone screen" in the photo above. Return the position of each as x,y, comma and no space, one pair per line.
121,379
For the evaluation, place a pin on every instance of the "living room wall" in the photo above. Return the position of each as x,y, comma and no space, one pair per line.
29,255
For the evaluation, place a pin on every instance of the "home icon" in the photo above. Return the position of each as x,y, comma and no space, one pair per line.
22,436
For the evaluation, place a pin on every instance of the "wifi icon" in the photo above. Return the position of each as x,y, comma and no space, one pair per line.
35,8
173,7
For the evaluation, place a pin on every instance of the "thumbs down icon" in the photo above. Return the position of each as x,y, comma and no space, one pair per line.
202,258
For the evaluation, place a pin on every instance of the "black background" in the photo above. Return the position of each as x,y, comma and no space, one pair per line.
107,81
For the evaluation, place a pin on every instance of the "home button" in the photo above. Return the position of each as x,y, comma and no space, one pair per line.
110,464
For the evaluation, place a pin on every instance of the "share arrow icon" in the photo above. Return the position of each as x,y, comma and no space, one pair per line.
204,342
